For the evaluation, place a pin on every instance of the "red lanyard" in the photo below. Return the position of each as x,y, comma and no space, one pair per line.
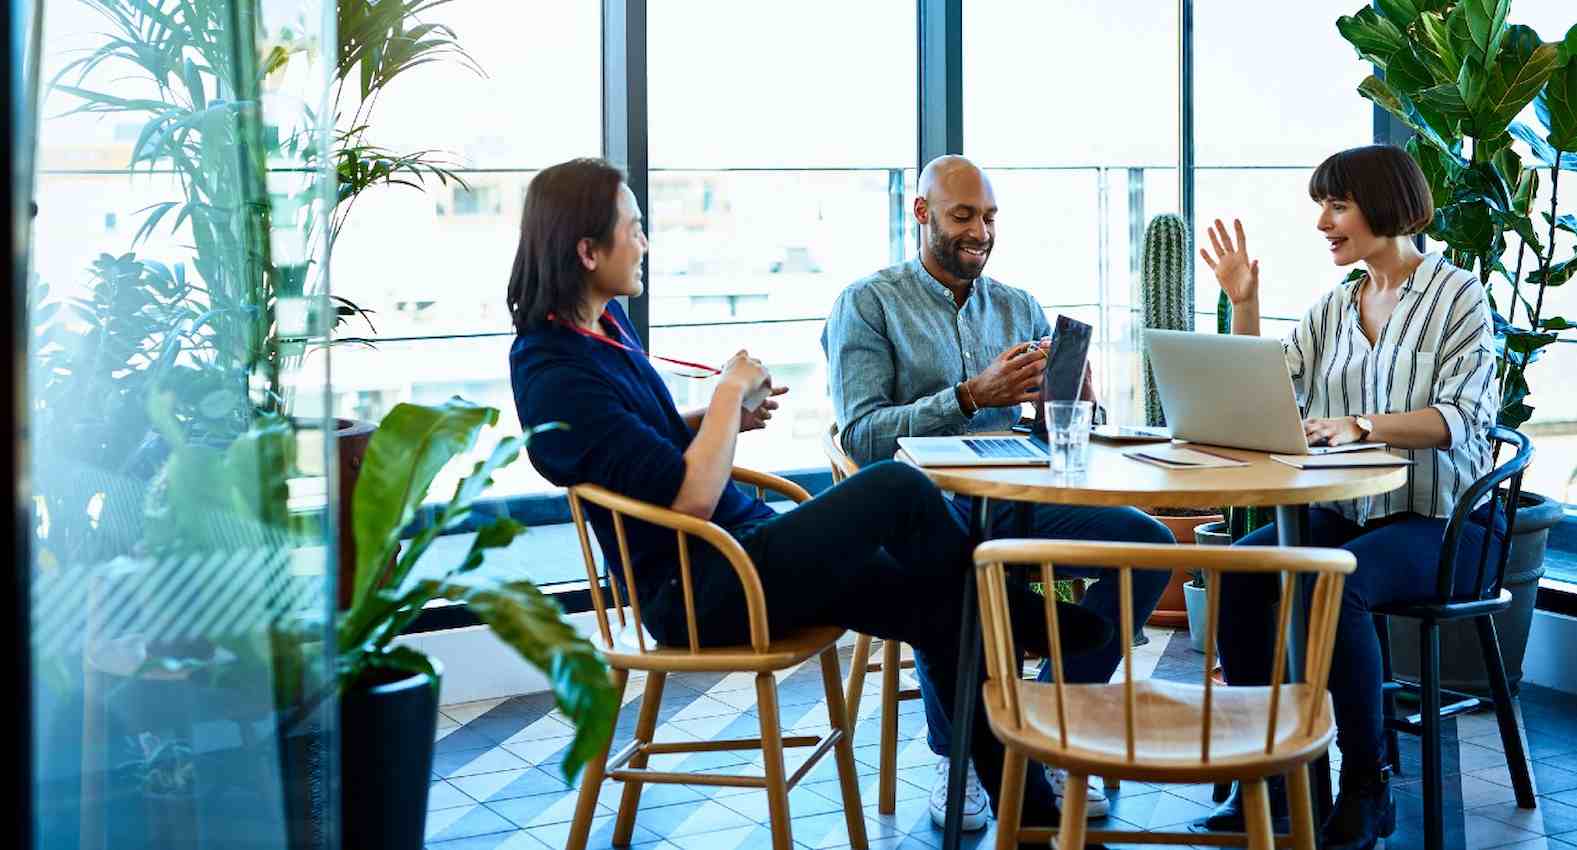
708,370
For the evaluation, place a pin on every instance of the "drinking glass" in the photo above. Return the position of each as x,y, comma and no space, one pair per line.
1068,434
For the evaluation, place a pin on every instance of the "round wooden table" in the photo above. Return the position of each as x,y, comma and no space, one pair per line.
1113,480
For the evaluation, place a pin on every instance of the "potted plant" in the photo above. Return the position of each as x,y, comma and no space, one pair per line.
1458,74
1166,293
1206,534
248,314
389,708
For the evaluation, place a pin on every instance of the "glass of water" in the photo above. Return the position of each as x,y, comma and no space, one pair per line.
1068,434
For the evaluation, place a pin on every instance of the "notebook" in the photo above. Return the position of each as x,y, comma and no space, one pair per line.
1182,457
1350,460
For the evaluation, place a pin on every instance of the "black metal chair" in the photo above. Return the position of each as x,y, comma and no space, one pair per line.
1448,606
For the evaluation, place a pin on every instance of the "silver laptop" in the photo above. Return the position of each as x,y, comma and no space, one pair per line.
975,451
1230,391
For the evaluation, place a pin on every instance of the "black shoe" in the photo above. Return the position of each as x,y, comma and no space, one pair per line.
1364,813
1228,817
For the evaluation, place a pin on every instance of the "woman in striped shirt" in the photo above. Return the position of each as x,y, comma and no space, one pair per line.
1404,355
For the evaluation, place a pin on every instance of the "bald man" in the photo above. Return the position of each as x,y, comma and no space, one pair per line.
933,347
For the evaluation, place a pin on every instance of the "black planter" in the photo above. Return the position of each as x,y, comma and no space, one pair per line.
386,761
1461,661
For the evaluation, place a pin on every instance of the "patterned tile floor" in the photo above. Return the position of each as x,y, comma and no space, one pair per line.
497,783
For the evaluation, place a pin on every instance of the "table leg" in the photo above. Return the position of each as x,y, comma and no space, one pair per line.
966,691
1292,529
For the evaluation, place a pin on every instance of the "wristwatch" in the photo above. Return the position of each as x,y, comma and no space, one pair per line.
1365,426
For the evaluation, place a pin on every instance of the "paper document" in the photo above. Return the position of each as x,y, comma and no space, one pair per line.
1350,460
1182,457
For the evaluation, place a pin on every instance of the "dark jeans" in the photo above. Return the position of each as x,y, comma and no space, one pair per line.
880,553
1070,522
1398,561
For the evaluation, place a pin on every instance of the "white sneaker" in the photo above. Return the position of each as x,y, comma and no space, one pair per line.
1095,803
977,809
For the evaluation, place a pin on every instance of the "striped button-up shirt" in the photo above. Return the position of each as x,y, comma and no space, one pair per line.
897,343
1437,350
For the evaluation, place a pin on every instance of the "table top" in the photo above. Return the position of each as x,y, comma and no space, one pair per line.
1112,480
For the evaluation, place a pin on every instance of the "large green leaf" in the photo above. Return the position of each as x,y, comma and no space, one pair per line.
1375,38
1381,93
1437,49
412,444
1402,13
1559,102
1497,91
1477,27
534,626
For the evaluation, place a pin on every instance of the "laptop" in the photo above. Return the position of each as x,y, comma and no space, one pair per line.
1230,391
1064,375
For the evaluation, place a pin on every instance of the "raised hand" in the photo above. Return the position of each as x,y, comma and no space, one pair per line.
1237,275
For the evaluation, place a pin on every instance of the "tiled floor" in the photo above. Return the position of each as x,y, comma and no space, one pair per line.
498,785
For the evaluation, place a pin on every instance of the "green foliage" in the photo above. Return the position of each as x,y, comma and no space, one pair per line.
1458,73
1166,292
410,447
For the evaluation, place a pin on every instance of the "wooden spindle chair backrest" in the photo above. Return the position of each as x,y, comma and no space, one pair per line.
684,527
842,465
1003,659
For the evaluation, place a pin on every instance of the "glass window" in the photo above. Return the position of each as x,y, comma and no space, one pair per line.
180,593
1079,161
776,181
431,263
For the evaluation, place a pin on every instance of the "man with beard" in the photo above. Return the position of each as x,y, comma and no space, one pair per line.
932,347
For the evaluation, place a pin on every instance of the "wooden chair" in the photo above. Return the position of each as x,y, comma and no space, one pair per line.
1161,731
1448,606
630,648
860,663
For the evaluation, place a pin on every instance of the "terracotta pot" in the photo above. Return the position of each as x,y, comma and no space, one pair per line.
1172,611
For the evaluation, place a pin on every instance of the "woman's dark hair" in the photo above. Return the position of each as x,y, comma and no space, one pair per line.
1385,183
565,203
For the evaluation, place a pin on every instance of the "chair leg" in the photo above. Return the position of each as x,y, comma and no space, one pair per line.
1256,814
855,687
591,780
843,751
887,780
1393,752
772,757
1505,713
1070,833
1302,808
645,728
1010,803
1429,673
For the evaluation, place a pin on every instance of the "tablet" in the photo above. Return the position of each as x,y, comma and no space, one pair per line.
1070,346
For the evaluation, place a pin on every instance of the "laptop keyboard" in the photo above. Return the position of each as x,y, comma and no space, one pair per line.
1006,447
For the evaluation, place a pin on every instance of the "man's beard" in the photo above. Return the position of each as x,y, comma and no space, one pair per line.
949,255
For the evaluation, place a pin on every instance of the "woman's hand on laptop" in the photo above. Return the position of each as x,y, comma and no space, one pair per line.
1332,432
1237,275
1012,378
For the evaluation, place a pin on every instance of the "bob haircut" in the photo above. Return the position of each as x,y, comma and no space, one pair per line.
1385,183
565,203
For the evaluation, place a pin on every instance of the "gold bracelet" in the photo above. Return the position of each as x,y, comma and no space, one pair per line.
969,397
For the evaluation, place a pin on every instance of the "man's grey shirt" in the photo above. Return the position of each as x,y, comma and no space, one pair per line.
897,344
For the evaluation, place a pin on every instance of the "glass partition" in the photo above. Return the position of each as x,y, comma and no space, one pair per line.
180,537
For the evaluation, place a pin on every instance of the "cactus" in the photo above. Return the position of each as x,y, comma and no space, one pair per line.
1166,292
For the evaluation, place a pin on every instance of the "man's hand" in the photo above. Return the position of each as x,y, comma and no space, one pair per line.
1013,378
751,420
